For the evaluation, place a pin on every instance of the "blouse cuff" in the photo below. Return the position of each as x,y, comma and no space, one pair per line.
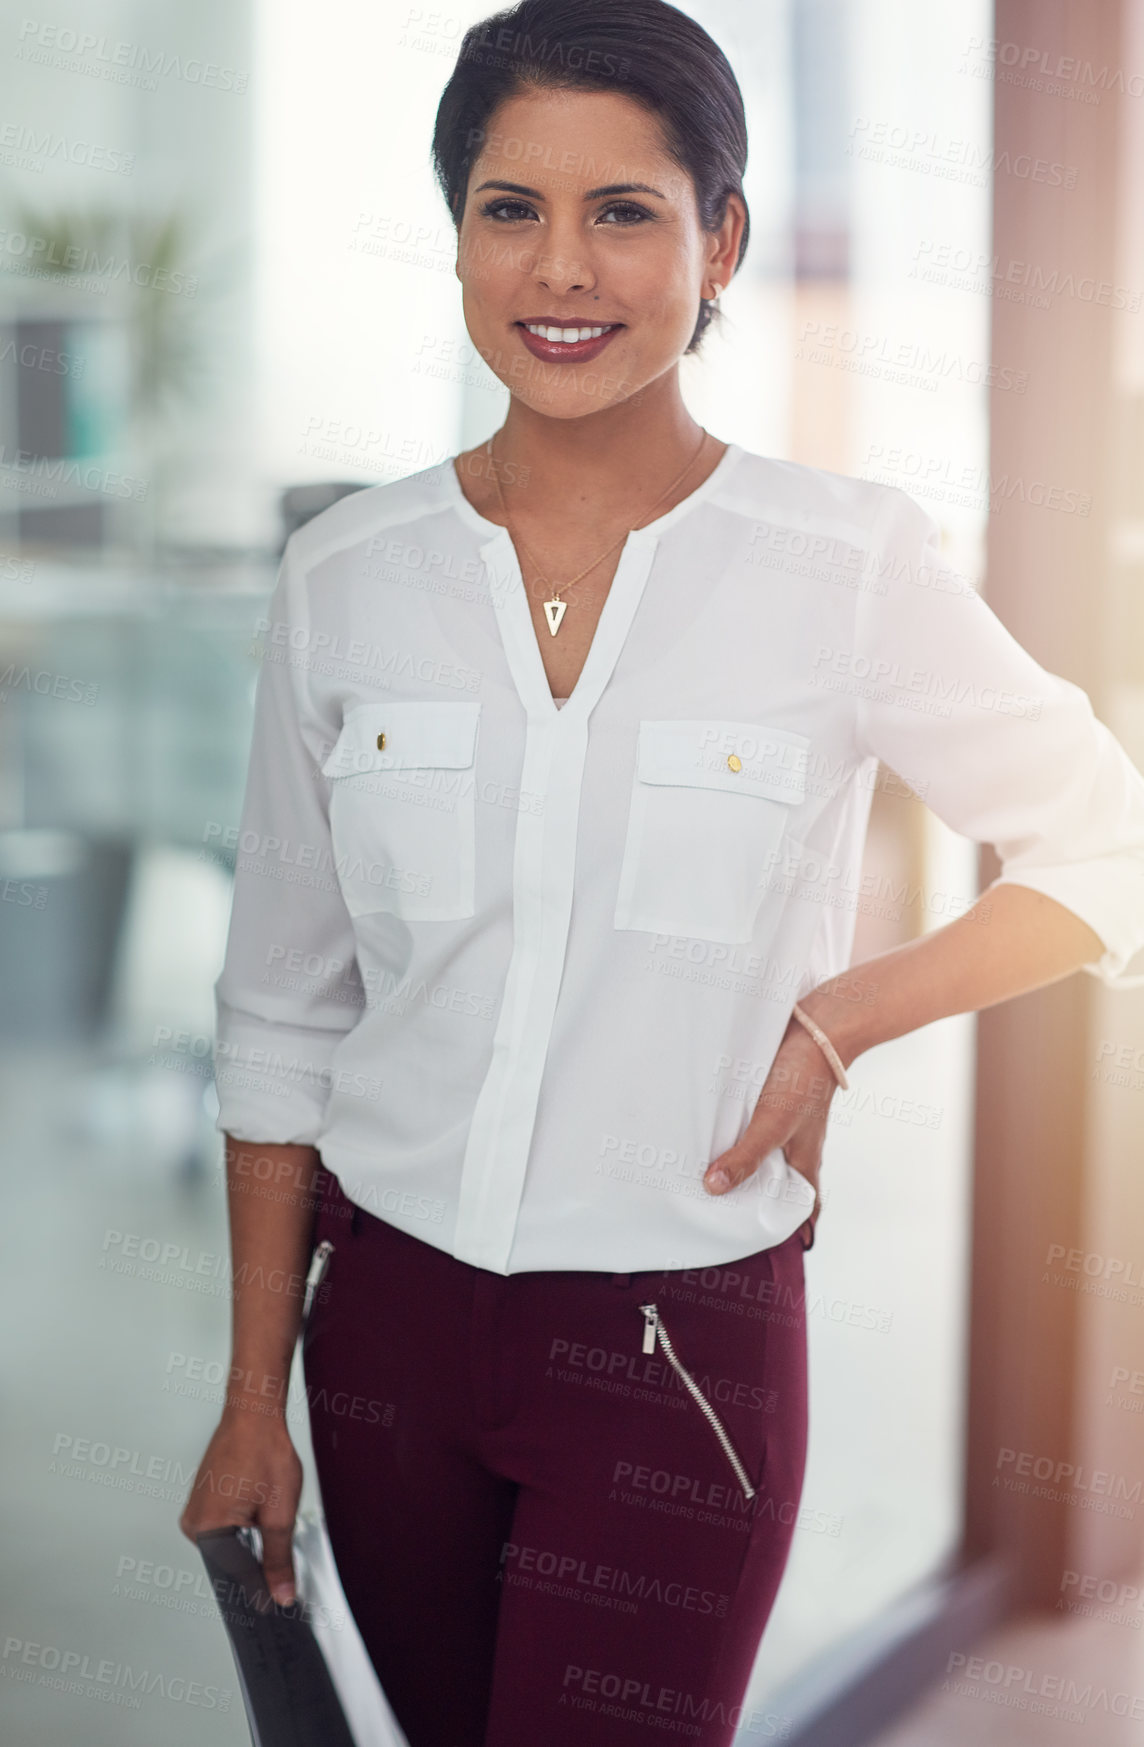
1107,894
273,1080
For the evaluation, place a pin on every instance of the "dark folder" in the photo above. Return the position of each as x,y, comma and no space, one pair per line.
286,1686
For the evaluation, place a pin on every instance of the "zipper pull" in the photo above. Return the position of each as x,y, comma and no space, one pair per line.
651,1326
318,1265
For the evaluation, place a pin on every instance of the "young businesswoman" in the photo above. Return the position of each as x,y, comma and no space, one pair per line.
560,777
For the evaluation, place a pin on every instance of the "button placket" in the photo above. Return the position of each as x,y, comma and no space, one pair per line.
556,743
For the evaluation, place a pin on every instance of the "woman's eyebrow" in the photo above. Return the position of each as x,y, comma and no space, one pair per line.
592,194
623,188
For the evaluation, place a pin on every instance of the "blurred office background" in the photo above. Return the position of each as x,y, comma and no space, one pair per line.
226,296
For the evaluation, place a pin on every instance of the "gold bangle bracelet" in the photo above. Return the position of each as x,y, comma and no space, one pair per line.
824,1045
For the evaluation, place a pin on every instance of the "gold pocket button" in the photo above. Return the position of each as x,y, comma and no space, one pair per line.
381,743
734,762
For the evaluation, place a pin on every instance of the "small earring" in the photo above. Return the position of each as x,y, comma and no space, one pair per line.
714,297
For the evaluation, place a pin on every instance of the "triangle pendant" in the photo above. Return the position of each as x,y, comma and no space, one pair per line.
554,611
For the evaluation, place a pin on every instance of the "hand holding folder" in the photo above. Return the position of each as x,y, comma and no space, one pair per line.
305,1674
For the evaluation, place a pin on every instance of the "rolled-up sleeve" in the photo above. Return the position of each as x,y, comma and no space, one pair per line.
1004,751
289,989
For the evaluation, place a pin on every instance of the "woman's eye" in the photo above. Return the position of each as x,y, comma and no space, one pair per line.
507,209
626,212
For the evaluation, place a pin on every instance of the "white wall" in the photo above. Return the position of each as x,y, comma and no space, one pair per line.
356,297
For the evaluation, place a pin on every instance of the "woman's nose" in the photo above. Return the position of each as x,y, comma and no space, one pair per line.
560,270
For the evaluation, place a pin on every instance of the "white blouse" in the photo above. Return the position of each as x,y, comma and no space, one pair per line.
520,971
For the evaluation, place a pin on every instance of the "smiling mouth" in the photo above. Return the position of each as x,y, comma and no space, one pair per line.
568,335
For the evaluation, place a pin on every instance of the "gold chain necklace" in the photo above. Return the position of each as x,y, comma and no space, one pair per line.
555,608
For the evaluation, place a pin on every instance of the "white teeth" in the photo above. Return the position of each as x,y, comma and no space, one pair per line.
564,336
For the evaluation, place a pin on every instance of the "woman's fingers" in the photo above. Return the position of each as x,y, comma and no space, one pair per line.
734,1166
217,1500
769,1127
790,1112
250,1475
277,1563
803,1153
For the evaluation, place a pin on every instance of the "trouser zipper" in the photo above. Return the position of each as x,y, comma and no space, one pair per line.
319,1262
653,1327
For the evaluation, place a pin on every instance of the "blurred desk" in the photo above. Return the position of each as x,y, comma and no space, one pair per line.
126,703
126,697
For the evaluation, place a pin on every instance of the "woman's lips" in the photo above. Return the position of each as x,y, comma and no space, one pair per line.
564,352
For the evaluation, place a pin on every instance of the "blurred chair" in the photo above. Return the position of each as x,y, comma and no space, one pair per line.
297,504
63,897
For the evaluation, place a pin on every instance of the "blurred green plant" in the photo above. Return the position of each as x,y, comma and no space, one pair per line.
155,251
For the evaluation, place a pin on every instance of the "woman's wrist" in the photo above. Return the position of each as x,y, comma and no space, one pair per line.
840,1007
251,1410
256,1389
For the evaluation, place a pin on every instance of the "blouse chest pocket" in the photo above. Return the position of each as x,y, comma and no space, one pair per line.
402,809
710,804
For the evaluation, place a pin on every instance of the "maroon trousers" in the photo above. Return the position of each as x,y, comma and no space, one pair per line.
540,1531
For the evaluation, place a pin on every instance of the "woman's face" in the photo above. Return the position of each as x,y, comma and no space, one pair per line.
576,218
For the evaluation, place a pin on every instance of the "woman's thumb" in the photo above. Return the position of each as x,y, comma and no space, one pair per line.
277,1564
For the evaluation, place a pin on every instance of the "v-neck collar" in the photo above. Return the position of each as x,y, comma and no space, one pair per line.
510,603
